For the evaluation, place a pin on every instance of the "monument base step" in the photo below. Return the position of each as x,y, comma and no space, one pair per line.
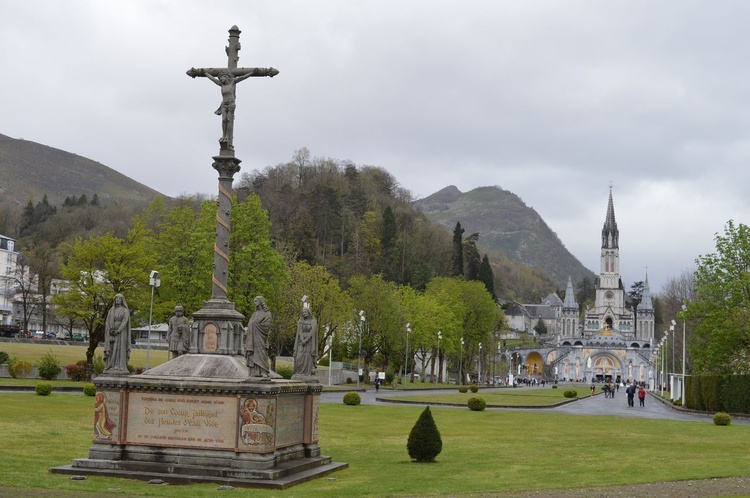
282,476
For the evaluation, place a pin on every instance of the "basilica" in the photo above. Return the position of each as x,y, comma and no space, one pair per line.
610,342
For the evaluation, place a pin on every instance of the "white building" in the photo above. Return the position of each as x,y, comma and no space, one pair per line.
8,258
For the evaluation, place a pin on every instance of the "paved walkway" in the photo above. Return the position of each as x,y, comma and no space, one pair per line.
596,405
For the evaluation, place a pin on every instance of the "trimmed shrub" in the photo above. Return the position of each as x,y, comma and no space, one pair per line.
4,357
722,418
76,372
349,380
424,443
285,371
351,398
43,388
554,386
570,393
463,389
89,389
474,388
20,369
677,402
48,366
476,404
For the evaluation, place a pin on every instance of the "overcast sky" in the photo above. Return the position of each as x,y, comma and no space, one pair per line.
551,100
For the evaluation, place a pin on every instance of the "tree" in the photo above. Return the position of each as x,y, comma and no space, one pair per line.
540,328
636,294
471,257
457,260
255,267
24,281
98,268
487,276
721,309
389,251
383,319
183,261
331,306
424,443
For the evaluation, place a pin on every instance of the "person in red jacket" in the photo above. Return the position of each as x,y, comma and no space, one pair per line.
642,397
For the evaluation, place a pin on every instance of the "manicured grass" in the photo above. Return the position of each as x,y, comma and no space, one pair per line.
483,452
501,397
70,354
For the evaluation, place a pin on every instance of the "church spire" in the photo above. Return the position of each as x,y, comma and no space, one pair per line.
610,233
646,304
570,297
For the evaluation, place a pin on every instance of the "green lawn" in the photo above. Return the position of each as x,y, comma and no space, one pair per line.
502,397
483,452
70,354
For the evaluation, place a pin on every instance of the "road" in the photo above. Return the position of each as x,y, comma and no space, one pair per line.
596,405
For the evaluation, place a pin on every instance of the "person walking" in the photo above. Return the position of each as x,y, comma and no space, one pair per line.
642,397
630,391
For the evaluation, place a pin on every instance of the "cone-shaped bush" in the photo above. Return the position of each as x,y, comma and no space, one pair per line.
424,442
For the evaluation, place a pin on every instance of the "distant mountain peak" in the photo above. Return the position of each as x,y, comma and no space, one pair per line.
29,170
505,225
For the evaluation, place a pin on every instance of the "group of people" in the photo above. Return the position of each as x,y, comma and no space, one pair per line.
631,390
117,339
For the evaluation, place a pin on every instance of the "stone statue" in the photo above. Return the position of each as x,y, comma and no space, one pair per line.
256,347
306,345
178,333
117,338
227,79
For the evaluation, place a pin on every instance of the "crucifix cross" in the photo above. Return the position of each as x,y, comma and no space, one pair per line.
227,78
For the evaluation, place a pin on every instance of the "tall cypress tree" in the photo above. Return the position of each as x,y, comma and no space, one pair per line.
457,259
487,276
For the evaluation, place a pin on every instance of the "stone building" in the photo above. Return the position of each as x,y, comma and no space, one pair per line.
609,342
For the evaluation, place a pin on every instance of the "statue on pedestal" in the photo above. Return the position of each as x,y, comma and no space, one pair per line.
256,347
178,333
306,345
117,338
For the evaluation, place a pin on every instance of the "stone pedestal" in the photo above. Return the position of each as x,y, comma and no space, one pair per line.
201,418
217,329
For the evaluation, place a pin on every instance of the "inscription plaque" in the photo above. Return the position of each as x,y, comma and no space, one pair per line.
290,413
210,338
184,421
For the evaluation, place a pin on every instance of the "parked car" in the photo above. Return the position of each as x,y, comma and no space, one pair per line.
51,335
65,335
77,337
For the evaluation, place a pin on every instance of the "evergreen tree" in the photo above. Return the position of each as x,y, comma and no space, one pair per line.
457,259
487,276
424,443
471,257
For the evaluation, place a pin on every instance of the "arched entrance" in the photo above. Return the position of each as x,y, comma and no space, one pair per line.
605,368
534,365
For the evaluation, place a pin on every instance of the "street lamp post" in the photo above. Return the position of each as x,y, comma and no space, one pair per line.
330,354
359,350
437,359
663,350
461,364
479,365
406,355
671,330
682,398
154,282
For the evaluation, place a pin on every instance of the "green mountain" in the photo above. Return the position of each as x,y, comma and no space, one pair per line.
508,226
29,170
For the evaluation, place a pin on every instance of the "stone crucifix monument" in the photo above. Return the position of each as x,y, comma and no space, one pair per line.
217,327
215,413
